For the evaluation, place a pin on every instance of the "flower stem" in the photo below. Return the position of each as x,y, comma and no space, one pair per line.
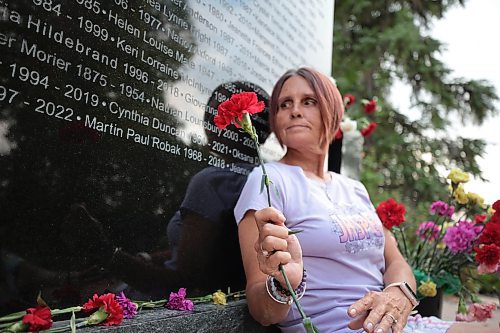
264,172
13,316
18,315
310,328
404,242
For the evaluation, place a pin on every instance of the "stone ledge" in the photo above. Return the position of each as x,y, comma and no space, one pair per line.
233,317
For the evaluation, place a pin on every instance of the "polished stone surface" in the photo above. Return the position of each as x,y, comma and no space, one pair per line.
233,317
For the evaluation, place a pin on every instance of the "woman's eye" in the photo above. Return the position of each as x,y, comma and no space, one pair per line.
285,105
310,101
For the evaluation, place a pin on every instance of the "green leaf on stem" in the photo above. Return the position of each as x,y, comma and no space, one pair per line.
293,232
98,317
16,327
72,322
39,300
262,183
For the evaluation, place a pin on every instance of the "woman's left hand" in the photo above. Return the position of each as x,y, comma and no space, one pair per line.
379,311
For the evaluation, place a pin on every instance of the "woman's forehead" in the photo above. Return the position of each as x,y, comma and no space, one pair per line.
296,84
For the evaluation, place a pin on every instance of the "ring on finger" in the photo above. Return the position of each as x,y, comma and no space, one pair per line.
394,320
265,253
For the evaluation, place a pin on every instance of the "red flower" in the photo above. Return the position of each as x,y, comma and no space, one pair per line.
490,234
39,318
495,219
479,218
232,110
496,206
110,305
391,213
368,130
370,106
349,99
488,258
339,134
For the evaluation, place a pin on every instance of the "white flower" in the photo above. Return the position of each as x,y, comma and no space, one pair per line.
348,125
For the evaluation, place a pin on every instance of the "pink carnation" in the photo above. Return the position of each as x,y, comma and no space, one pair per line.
178,301
428,231
460,237
441,208
129,307
481,311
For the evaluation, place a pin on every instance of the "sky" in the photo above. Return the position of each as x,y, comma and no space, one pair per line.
472,51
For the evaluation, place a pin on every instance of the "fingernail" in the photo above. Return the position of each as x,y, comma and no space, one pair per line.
379,330
352,312
369,326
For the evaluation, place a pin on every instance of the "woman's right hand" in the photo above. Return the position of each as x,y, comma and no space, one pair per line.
275,246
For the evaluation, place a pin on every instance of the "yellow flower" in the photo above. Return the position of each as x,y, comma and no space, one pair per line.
219,297
458,176
475,198
441,246
460,195
427,289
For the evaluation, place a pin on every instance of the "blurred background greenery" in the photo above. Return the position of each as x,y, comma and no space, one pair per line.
378,43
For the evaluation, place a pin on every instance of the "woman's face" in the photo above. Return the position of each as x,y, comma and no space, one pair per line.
298,120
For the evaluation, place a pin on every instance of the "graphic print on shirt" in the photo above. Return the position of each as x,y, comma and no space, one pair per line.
359,230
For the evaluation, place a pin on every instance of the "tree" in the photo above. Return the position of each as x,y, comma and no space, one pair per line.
378,42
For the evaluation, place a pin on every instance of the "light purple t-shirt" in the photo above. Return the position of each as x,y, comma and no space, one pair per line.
342,240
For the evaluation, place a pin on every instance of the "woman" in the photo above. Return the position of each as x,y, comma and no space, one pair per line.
356,277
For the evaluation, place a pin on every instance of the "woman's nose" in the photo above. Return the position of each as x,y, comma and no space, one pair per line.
296,112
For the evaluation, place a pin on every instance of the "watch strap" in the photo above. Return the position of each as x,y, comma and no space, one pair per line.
406,289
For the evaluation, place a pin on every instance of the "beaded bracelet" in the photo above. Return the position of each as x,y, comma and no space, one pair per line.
282,295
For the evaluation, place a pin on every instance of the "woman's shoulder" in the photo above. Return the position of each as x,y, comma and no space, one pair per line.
347,182
279,169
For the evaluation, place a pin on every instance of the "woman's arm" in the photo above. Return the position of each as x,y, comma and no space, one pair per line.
396,267
379,311
260,231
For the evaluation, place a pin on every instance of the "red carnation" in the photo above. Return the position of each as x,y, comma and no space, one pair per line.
480,218
38,319
349,99
496,206
488,258
490,234
110,305
370,106
232,110
368,130
495,219
391,213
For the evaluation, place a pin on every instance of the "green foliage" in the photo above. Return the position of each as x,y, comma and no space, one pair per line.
377,42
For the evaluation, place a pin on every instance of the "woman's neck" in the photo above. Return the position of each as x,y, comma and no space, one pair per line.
313,164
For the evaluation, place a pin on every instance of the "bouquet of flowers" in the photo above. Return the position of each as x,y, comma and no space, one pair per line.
358,118
460,241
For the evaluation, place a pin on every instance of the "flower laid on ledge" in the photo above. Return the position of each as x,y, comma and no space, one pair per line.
237,111
459,241
106,310
178,301
354,119
476,312
129,307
